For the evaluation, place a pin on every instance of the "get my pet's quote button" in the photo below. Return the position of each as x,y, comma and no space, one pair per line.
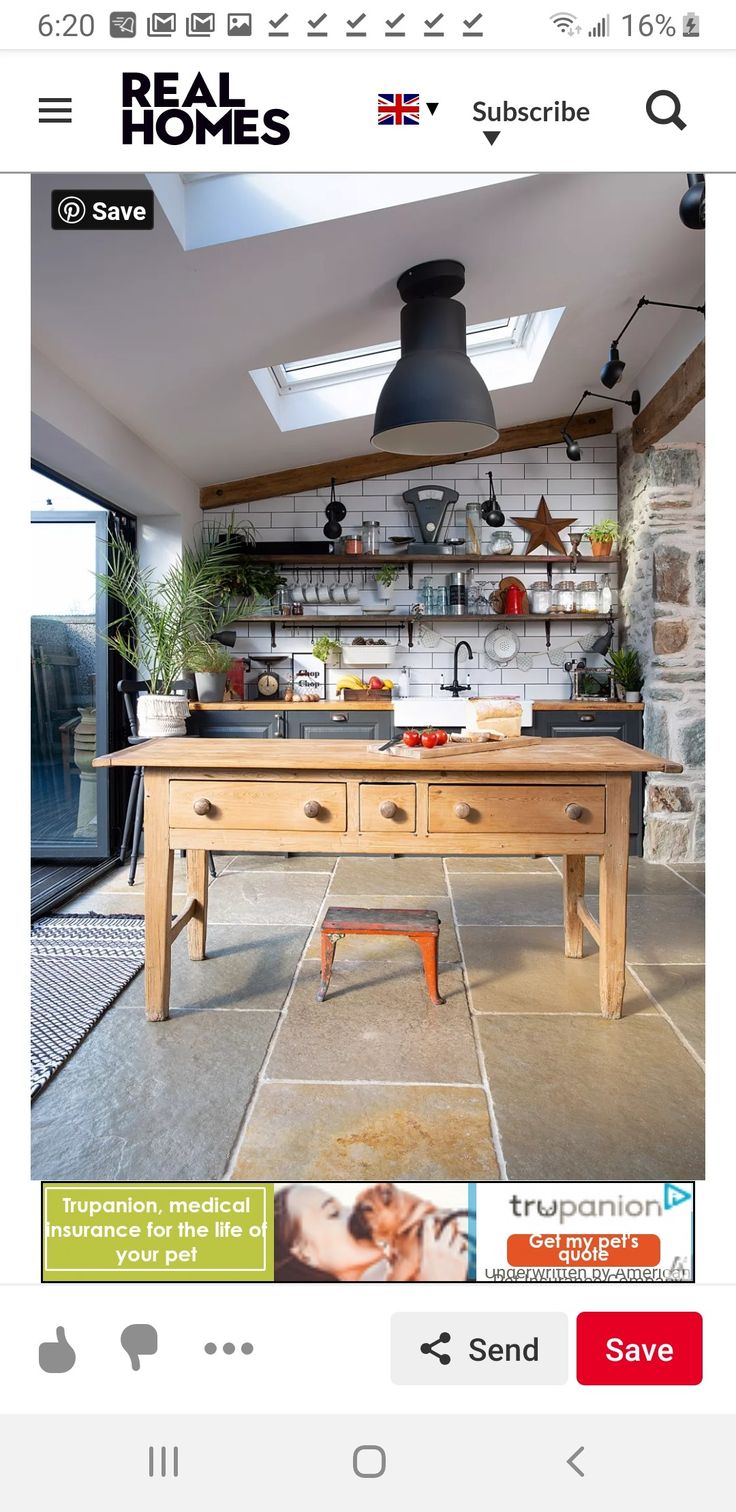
479,1349
640,1349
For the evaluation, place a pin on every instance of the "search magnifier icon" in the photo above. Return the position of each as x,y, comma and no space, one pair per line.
659,111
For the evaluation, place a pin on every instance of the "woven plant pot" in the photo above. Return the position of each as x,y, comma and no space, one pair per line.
161,714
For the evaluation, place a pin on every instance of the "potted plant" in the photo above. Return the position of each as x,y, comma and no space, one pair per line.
627,673
602,537
210,664
385,578
327,650
162,617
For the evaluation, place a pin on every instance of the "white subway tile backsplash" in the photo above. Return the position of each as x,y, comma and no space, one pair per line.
586,490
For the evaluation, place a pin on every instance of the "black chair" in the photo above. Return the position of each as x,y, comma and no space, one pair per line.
130,689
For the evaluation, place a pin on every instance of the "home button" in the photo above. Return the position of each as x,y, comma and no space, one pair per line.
369,1461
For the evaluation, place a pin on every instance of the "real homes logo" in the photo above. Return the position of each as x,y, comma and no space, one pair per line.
158,108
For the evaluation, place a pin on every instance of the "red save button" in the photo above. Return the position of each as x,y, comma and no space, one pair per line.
640,1349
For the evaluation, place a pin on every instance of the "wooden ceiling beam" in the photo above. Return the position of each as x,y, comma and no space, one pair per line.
676,398
381,464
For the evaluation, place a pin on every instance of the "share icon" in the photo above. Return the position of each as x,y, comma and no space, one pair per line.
429,1348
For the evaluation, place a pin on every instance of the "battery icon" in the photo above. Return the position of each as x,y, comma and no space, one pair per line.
691,25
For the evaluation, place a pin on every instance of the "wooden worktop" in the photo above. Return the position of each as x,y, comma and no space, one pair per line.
262,705
577,754
584,703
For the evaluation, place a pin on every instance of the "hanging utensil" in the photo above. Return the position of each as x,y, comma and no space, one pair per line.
491,510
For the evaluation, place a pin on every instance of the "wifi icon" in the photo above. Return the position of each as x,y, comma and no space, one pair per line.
564,22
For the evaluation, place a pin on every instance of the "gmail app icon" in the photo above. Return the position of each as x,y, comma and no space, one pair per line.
201,24
162,24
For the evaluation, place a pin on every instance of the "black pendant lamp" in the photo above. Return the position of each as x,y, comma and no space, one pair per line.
434,402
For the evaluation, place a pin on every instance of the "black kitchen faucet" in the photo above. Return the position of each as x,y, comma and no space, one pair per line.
456,688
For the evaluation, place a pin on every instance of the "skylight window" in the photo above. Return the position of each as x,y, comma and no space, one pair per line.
345,385
377,361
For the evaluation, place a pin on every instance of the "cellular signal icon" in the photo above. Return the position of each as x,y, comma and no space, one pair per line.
602,29
565,22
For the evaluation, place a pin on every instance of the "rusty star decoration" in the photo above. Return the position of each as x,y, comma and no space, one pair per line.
543,530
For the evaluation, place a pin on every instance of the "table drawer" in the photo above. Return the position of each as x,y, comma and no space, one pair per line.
388,806
524,810
282,806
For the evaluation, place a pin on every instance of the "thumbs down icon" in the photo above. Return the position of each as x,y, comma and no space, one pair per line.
139,1339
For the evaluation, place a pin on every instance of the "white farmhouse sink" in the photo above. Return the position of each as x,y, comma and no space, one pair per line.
444,711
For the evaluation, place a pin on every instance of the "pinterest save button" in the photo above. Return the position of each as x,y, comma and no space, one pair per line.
640,1349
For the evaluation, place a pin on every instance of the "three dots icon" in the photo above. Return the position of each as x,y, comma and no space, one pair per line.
228,1349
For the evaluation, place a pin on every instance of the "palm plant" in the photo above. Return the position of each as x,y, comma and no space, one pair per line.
627,669
163,616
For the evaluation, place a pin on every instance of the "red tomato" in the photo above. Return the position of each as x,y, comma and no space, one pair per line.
441,737
429,739
411,737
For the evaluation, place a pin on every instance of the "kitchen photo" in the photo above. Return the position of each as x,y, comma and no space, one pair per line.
368,681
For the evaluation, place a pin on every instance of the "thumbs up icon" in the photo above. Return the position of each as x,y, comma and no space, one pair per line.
56,1357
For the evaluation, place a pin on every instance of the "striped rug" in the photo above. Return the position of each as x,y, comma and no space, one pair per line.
79,965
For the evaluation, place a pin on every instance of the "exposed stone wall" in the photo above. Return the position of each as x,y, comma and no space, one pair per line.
662,516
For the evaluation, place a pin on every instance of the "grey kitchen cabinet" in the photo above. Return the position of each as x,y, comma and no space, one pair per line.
243,724
612,720
352,724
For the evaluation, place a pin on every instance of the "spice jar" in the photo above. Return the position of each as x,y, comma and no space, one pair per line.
586,597
371,537
353,544
502,543
565,596
541,596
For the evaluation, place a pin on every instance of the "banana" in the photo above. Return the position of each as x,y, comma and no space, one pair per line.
350,681
387,683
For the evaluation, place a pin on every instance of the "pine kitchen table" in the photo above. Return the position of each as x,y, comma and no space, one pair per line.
558,797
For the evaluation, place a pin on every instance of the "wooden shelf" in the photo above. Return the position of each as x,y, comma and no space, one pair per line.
408,621
359,562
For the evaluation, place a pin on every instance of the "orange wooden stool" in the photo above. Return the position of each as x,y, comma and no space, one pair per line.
419,924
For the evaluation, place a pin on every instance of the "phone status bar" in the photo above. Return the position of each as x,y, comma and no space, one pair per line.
386,28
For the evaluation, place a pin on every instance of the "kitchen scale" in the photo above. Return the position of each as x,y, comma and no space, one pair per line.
433,505
268,682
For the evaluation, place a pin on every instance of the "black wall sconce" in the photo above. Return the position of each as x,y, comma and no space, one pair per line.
572,447
612,370
692,204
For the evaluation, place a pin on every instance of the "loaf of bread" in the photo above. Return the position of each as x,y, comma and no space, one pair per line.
498,716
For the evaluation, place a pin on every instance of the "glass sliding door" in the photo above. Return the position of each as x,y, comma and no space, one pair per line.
70,676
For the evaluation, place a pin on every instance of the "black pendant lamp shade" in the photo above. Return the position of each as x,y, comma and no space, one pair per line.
434,402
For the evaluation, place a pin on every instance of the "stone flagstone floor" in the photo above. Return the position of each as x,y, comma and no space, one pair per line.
516,1077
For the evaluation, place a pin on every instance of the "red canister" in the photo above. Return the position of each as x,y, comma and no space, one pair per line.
513,602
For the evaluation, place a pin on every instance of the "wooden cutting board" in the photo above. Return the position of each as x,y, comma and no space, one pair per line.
485,748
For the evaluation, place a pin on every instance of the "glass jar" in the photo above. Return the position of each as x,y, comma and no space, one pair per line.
501,543
540,594
587,599
564,596
605,597
353,544
425,595
473,528
371,537
440,599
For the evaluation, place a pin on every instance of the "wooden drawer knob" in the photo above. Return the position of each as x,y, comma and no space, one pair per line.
312,808
462,810
574,811
201,805
387,809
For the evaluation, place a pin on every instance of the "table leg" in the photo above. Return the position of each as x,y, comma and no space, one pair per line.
198,888
574,888
428,945
158,887
613,897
